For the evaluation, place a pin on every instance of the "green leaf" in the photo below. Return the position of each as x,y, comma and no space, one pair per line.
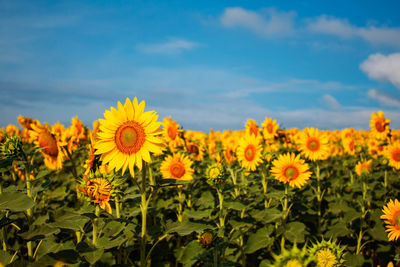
258,240
5,257
15,201
234,205
295,232
338,230
93,256
354,260
48,246
197,214
187,227
40,232
189,254
266,215
71,221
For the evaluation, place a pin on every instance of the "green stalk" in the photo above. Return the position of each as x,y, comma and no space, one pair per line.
143,207
319,198
360,236
265,186
117,207
180,207
221,203
95,225
29,194
3,230
285,214
234,181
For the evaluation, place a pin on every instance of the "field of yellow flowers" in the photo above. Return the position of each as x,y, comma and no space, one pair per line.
135,191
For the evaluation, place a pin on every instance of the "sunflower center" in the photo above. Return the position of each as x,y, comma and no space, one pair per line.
313,144
396,220
380,126
291,172
293,263
250,152
172,133
193,149
49,143
325,258
130,137
269,128
177,170
396,155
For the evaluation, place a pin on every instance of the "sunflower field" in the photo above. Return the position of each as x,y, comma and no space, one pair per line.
135,191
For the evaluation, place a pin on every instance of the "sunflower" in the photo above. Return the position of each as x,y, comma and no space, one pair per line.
177,167
363,167
127,136
50,144
99,190
292,258
327,253
171,133
379,125
195,150
314,144
349,146
393,154
270,128
391,217
252,128
249,152
289,168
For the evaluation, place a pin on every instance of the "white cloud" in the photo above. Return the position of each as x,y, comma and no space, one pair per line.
383,68
330,102
266,23
173,46
383,98
341,27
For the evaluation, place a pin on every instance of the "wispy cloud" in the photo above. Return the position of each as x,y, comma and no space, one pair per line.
384,99
330,25
330,102
267,22
173,46
383,68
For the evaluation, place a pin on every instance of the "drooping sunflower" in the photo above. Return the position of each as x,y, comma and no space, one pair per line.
171,133
391,217
270,128
249,152
289,168
128,135
52,146
379,125
195,150
363,167
314,144
393,154
252,128
177,167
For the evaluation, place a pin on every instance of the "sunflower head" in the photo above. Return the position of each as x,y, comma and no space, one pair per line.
391,217
127,136
177,167
289,168
392,153
363,167
100,188
327,253
249,152
215,173
294,257
379,125
314,144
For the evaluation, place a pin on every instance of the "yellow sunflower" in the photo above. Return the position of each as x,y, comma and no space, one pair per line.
128,135
195,150
99,190
393,154
249,152
289,168
270,128
349,146
171,133
379,125
391,217
177,167
363,167
51,145
252,128
314,144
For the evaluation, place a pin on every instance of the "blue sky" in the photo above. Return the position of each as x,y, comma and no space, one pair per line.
207,64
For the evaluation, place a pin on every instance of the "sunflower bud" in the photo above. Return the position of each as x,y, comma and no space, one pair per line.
11,148
215,173
206,238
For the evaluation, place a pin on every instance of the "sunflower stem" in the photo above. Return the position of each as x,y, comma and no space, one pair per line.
234,181
319,198
29,194
265,186
95,225
285,213
117,206
3,229
221,204
180,206
144,217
